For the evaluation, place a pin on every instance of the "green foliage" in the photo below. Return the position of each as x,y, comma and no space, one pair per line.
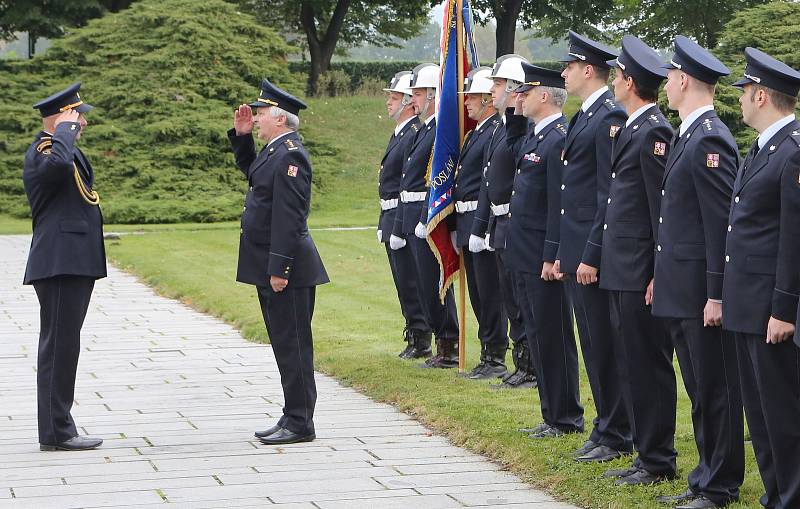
165,78
335,82
773,28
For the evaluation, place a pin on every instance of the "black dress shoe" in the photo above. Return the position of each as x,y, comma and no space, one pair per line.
267,432
476,370
585,448
489,371
620,472
284,436
641,478
599,454
549,432
699,502
676,499
74,444
536,429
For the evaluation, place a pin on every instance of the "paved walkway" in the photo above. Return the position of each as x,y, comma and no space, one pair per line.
176,395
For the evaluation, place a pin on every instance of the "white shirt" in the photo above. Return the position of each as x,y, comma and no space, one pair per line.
537,128
428,120
593,98
772,130
691,117
483,122
638,113
402,124
273,140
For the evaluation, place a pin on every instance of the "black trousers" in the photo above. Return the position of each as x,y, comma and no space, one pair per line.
548,323
287,315
611,427
485,296
516,328
707,356
645,355
441,318
770,379
401,261
63,303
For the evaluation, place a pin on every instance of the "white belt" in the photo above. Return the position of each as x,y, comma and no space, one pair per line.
408,197
389,204
466,206
500,210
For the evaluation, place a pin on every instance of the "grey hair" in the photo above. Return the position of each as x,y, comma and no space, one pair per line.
292,120
558,96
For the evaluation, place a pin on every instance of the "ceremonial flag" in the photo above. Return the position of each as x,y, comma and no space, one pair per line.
451,125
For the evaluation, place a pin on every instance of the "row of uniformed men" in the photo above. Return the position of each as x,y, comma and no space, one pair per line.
658,241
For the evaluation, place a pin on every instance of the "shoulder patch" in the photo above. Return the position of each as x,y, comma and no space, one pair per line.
290,145
660,148
712,160
44,145
292,171
610,104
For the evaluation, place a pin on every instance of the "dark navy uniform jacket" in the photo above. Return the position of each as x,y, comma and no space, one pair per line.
638,158
761,275
498,182
469,175
274,237
413,180
535,200
586,176
695,202
67,230
391,172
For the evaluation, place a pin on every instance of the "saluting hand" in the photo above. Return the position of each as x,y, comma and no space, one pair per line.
67,116
278,283
518,100
586,274
243,120
712,314
778,331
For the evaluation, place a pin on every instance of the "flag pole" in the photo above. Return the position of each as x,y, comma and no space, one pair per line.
462,279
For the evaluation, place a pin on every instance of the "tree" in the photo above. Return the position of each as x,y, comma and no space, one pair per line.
331,25
549,18
657,22
50,18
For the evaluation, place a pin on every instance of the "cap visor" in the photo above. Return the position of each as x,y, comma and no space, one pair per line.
612,63
568,58
742,82
522,88
668,65
83,108
258,104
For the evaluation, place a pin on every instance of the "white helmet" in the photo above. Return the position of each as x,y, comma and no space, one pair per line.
400,83
478,81
509,67
425,76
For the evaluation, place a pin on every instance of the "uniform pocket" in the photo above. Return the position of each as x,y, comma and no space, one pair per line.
632,230
74,226
755,264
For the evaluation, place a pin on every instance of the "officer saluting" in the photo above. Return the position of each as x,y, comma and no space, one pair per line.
761,283
66,257
687,290
276,252
631,220
417,333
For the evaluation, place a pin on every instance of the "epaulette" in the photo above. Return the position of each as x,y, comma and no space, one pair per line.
290,145
44,145
414,127
795,136
561,128
611,105
654,119
708,126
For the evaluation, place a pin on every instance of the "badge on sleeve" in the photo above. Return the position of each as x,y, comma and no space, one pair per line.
712,160
292,172
612,132
660,148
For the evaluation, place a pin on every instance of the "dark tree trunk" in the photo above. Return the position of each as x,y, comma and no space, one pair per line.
32,38
506,14
321,47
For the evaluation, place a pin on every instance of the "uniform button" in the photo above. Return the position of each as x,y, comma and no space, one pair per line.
736,199
563,187
381,166
251,188
409,158
614,175
241,230
565,162
609,200
605,227
509,214
489,163
513,193
518,170
244,208
404,175
727,258
487,184
562,212
730,227
459,166
662,192
659,248
660,220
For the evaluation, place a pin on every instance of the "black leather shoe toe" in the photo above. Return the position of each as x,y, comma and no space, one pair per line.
74,444
676,499
699,502
599,454
585,448
283,436
267,432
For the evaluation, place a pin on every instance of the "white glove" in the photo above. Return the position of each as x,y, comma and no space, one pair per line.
421,231
453,240
488,246
396,242
380,235
476,244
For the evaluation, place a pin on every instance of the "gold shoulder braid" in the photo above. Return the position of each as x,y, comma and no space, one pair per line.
90,196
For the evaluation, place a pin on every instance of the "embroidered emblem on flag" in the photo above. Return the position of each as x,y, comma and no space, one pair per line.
660,148
292,172
612,132
712,160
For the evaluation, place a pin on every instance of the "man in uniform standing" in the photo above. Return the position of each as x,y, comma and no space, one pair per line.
479,263
531,245
584,191
491,219
276,252
641,346
409,227
690,258
67,256
401,261
761,282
